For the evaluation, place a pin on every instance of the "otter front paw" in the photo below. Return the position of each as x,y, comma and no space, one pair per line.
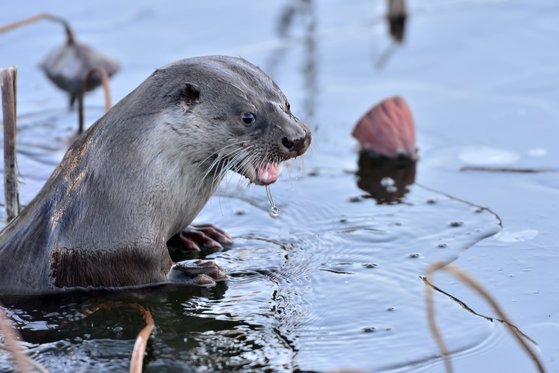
197,272
203,236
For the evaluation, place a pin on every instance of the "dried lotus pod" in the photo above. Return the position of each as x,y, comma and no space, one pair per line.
68,66
385,180
397,16
387,130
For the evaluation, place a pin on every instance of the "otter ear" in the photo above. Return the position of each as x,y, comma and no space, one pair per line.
189,95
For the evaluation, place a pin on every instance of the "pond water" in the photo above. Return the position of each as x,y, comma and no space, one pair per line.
333,282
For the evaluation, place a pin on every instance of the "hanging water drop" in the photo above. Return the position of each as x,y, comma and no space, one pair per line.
274,210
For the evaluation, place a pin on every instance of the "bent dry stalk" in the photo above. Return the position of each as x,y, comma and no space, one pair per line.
106,89
21,361
518,335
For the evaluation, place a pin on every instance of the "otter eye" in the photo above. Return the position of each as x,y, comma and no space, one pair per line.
248,117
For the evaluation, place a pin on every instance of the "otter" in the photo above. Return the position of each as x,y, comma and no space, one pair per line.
142,172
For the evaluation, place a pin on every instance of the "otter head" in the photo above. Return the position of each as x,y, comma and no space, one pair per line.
241,118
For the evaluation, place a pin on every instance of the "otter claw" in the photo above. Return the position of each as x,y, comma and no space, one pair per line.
205,236
197,272
214,233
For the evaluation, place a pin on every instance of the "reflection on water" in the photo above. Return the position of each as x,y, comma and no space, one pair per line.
331,283
337,277
386,180
396,18
83,331
327,284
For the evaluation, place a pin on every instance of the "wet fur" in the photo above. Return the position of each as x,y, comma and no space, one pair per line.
141,174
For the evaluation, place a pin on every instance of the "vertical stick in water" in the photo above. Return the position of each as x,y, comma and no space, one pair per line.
274,210
8,78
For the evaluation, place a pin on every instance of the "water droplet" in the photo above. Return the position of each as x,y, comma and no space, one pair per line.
274,210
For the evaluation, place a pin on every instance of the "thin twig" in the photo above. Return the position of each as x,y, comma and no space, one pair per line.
8,78
476,286
70,38
106,89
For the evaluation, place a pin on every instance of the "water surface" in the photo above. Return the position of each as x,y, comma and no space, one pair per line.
333,282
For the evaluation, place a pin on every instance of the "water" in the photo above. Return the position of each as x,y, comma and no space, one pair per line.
333,281
274,210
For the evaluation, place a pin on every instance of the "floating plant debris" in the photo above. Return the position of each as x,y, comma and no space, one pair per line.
274,210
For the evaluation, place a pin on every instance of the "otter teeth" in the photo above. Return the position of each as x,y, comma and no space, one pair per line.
267,173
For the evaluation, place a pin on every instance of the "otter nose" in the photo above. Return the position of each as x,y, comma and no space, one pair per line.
297,145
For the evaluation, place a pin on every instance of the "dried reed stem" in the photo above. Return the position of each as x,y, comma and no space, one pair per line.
12,344
38,17
8,79
21,361
476,286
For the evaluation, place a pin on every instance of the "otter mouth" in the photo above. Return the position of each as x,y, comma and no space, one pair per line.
263,173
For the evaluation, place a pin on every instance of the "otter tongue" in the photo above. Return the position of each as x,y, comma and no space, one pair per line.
267,173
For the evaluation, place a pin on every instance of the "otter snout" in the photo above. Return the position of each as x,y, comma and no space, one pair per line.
295,144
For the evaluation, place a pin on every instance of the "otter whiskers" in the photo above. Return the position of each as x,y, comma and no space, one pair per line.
241,160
